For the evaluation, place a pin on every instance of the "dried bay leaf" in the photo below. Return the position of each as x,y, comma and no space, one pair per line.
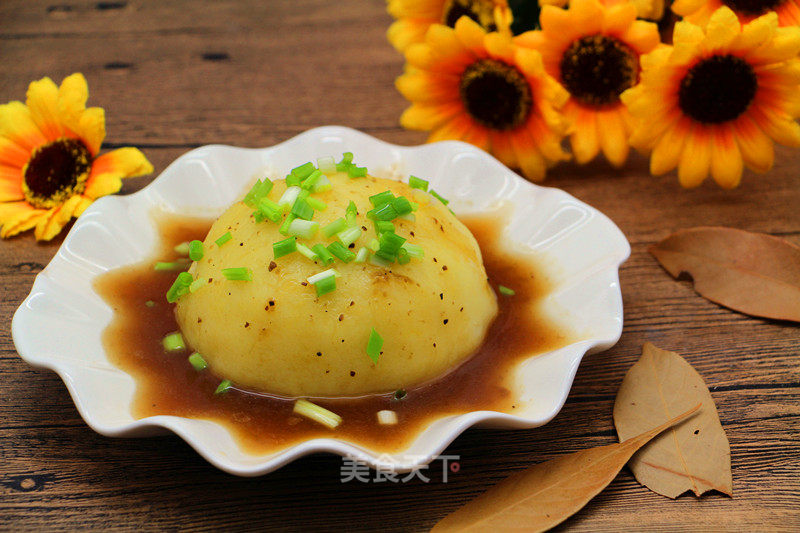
752,273
548,493
694,455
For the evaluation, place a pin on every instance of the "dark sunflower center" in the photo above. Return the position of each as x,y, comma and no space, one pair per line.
596,69
481,11
55,172
495,94
753,7
718,89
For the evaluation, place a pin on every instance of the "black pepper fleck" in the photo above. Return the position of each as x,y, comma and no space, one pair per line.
272,265
352,373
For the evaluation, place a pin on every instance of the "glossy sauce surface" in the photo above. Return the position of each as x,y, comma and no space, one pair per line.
168,384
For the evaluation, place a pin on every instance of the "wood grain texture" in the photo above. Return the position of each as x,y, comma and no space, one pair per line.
178,74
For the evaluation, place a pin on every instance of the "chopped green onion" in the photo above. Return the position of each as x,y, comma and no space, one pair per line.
414,206
237,274
311,181
182,248
327,164
301,209
390,242
378,261
347,157
269,209
303,228
284,229
257,192
180,264
223,387
350,213
317,204
317,413
382,226
402,205
387,417
399,394
323,184
413,250
403,257
381,198
292,180
374,345
196,284
362,255
306,251
323,254
326,285
284,247
384,212
150,303
418,183
436,195
505,291
349,236
374,245
196,250
334,227
385,256
408,216
304,170
197,361
224,238
174,342
322,275
289,196
341,252
421,197
357,172
179,287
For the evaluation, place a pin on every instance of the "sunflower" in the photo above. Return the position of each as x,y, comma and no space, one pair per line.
646,9
718,98
593,50
414,17
699,11
49,167
480,88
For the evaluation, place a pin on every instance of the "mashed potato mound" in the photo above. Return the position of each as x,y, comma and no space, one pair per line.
275,335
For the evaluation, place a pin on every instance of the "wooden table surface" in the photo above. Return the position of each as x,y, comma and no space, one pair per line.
177,74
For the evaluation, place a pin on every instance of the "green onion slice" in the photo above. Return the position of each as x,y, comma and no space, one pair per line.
284,247
179,264
402,205
341,252
311,181
304,170
334,227
302,209
326,165
174,342
224,238
418,183
362,255
303,228
323,254
374,345
357,172
284,229
413,250
350,213
349,236
196,250
436,195
317,413
382,198
289,196
306,251
182,248
197,284
197,361
223,387
505,291
237,274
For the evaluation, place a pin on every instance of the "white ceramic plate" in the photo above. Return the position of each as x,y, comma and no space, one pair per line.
59,325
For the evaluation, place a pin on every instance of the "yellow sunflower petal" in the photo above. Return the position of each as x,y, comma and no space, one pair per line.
784,45
618,17
613,137
756,33
587,15
51,224
17,125
695,159
757,149
16,217
103,184
82,205
13,154
405,32
585,139
529,158
129,162
42,101
500,47
779,127
421,86
722,29
726,160
444,41
500,147
471,36
427,117
667,151
10,184
91,128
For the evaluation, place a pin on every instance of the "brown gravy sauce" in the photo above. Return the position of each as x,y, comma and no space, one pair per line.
168,385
